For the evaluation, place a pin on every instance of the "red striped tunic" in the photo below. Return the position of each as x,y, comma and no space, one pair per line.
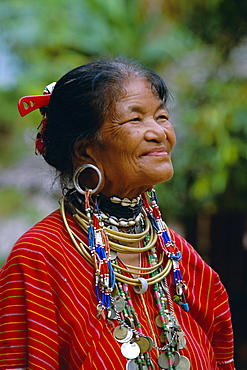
48,317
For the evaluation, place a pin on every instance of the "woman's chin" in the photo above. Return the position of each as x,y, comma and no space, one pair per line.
163,176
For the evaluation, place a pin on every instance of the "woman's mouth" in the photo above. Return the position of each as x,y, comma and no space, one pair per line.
157,152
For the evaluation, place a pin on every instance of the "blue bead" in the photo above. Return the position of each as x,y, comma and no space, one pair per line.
185,307
165,236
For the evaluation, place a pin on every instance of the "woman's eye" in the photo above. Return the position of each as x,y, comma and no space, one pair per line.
163,117
135,119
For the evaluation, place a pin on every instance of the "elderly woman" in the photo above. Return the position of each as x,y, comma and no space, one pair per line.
103,283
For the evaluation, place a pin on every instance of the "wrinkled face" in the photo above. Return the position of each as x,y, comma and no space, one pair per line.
135,143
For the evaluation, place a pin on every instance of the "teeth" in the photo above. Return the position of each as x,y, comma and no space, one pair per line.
132,223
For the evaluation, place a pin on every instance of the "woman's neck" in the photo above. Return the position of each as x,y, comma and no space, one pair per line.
131,259
120,207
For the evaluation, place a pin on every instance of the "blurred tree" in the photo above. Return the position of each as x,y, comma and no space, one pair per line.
42,40
217,22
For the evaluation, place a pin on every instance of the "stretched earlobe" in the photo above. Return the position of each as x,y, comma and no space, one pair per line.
83,158
78,184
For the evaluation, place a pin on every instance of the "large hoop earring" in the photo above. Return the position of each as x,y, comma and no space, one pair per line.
77,173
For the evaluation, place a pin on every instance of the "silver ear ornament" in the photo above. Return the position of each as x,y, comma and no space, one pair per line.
76,176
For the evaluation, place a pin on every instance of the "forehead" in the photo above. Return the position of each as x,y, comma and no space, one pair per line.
136,86
137,91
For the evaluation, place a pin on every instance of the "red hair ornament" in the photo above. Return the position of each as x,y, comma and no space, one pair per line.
28,104
39,142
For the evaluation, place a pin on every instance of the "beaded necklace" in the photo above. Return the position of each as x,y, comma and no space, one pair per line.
112,283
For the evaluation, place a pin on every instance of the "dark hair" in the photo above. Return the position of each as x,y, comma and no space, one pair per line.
82,100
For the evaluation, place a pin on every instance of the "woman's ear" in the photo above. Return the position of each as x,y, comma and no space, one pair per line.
84,152
79,154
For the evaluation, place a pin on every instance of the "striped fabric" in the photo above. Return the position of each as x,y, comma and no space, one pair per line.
48,308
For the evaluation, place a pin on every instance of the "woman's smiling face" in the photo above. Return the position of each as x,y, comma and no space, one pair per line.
135,143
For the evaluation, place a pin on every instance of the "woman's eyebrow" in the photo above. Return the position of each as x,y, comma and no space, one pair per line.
141,109
136,108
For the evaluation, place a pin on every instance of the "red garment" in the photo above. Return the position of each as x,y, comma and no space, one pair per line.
48,308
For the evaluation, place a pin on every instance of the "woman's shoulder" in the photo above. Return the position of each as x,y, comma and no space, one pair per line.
47,249
49,228
191,258
48,237
182,244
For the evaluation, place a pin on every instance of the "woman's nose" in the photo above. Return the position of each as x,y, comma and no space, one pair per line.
155,131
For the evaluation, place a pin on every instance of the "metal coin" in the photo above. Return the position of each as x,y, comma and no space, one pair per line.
111,314
143,288
113,227
114,292
162,338
144,367
120,332
135,321
151,342
130,350
171,320
138,229
184,363
144,344
181,341
158,322
130,322
174,340
119,303
131,365
169,336
113,255
176,358
121,242
163,360
127,338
